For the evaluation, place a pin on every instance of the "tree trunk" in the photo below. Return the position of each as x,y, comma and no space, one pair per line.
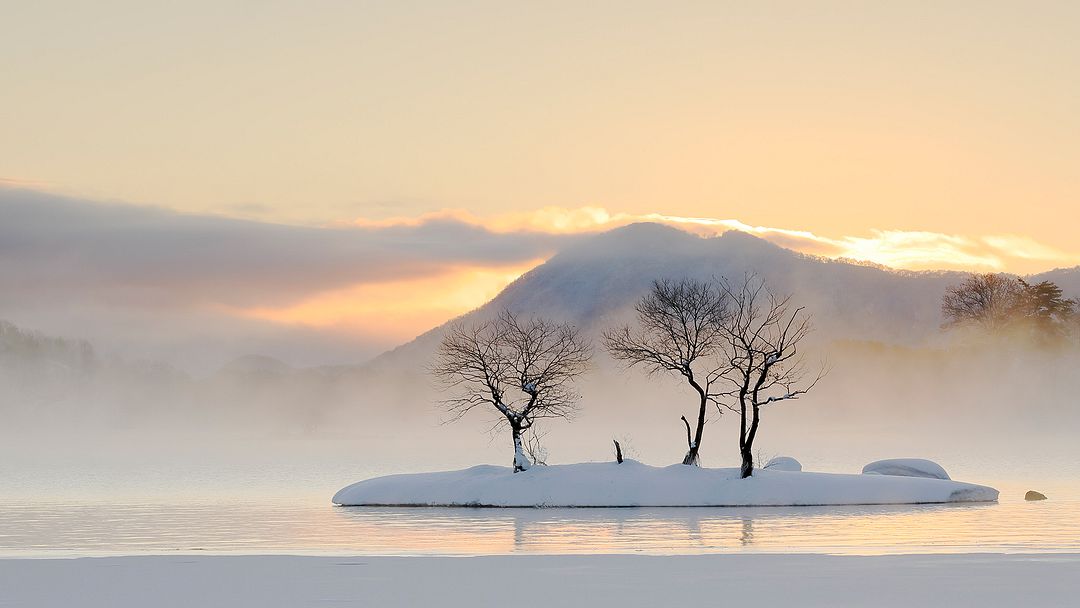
618,451
695,443
746,446
747,468
521,461
691,457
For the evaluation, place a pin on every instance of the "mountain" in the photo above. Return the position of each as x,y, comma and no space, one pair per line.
1068,279
893,371
65,383
879,328
596,282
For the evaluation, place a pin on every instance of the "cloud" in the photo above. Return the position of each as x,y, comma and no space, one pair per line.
554,220
58,248
12,182
53,246
164,284
396,309
909,250
198,290
1026,248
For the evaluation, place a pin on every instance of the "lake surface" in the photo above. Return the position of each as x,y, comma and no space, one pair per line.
89,509
269,527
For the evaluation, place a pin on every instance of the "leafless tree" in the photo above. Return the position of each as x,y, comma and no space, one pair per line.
1009,306
680,331
763,334
987,300
524,370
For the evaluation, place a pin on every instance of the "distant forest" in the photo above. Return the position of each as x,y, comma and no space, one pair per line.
1005,306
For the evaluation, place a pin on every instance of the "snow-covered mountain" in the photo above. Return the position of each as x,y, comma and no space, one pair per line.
596,282
879,331
885,317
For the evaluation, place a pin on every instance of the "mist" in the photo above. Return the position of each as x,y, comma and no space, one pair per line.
898,385
1008,413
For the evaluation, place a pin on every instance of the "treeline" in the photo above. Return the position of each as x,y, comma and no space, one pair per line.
65,382
22,349
1005,306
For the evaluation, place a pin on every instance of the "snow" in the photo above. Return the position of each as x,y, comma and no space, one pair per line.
525,581
521,460
607,484
906,467
784,463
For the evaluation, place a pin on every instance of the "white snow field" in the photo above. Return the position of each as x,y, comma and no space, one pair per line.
595,581
633,484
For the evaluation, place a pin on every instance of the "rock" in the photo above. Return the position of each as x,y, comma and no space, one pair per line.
1033,495
906,467
784,463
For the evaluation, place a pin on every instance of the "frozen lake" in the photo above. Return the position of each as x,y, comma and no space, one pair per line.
69,508
273,527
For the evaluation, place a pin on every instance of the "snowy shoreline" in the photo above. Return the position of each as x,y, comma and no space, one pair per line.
814,580
632,484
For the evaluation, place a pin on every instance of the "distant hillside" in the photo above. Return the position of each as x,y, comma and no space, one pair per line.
870,319
64,383
1066,278
597,282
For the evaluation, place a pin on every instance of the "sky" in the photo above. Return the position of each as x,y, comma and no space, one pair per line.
917,135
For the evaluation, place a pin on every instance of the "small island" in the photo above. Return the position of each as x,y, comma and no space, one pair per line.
633,484
736,344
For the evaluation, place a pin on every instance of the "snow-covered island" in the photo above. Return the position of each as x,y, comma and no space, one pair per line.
633,484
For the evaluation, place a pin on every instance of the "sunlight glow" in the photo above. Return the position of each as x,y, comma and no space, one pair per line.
396,310
900,249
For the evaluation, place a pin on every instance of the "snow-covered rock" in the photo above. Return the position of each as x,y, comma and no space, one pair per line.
607,484
906,467
784,463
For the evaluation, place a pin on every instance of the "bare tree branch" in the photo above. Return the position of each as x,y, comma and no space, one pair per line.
523,369
763,335
680,331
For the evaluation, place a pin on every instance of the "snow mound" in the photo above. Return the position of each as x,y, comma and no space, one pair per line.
906,467
784,463
632,484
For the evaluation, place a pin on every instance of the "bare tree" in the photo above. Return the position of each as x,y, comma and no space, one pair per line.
680,331
524,370
763,334
1010,306
987,300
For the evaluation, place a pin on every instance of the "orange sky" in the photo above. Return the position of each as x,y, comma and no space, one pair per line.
397,310
835,117
400,309
911,134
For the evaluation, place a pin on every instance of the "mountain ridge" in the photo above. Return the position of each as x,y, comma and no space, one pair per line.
600,278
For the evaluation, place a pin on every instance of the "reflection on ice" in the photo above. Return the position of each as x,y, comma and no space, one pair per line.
314,527
851,529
